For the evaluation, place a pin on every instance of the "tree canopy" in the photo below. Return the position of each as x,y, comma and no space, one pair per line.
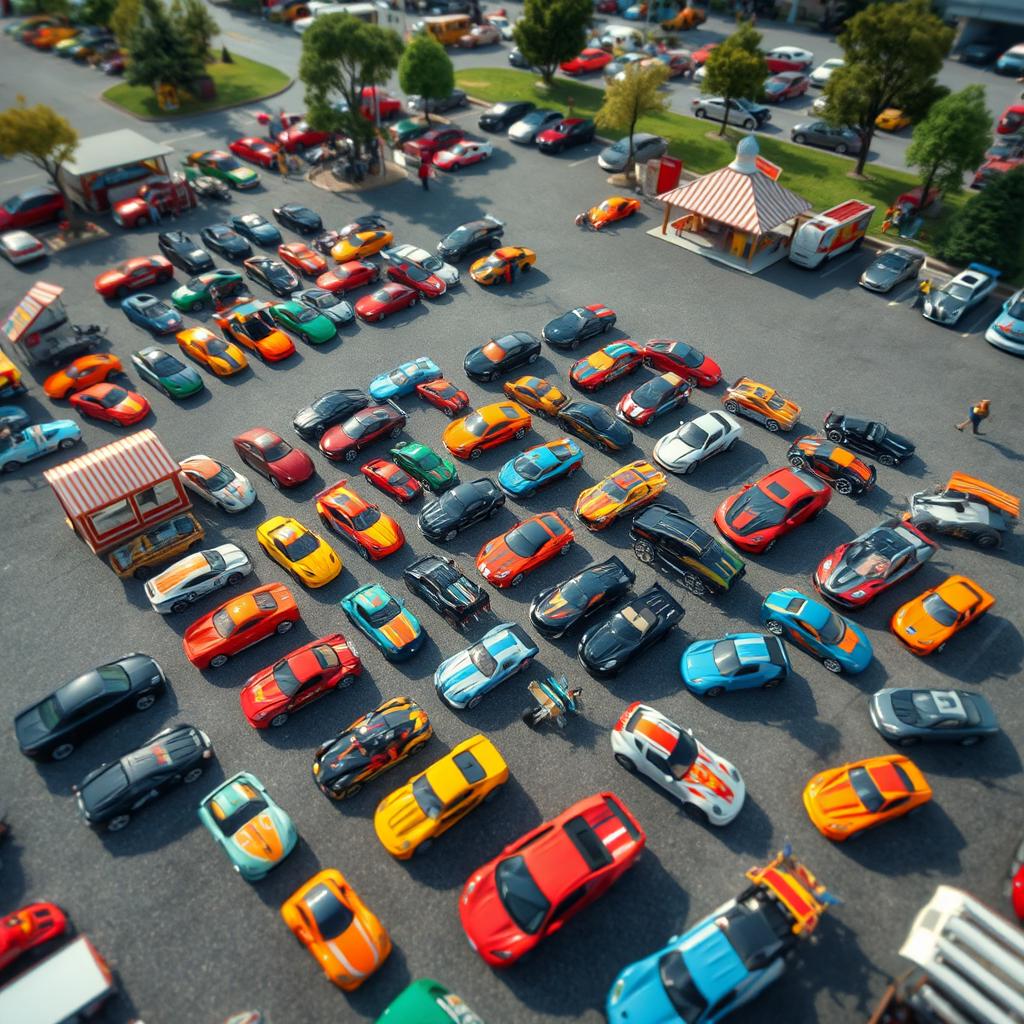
124,19
159,51
736,69
633,96
97,12
426,70
552,31
986,229
194,21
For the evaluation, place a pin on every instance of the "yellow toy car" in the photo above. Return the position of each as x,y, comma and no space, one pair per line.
536,393
361,244
502,265
759,402
407,821
306,555
625,490
222,358
891,120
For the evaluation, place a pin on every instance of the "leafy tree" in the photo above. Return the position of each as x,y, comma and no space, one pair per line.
159,53
56,7
426,70
552,31
193,20
736,69
124,18
340,55
97,12
893,53
951,139
628,99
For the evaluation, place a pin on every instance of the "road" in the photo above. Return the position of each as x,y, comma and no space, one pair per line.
192,943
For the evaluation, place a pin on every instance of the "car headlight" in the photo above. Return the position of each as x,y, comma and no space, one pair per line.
889,727
611,664
501,575
617,989
259,717
858,593
501,954
471,887
827,564
835,827
757,538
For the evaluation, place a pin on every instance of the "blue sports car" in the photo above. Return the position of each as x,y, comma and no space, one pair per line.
1007,330
20,446
462,680
14,416
839,644
739,661
152,313
403,379
392,628
529,471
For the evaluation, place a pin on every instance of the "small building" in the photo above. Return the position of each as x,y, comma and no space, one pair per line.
32,326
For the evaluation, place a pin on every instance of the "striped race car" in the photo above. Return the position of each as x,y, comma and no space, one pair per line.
394,630
462,680
614,360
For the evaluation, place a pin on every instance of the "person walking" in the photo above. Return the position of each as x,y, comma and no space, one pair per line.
424,175
924,289
979,412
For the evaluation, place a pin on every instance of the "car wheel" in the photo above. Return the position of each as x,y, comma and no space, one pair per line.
749,124
192,775
796,462
841,149
835,436
565,550
644,551
179,606
275,483
11,466
346,681
121,293
775,627
715,691
278,720
64,750
800,138
694,584
886,460
119,822
987,540
732,406
350,455
474,702
234,579
768,547
516,580
475,453
771,426
690,468
66,443
843,487
364,553
283,627
701,113
832,666
770,684
218,660
627,762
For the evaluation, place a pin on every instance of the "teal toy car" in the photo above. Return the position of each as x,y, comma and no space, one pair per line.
253,831
385,621
428,1002
194,295
421,462
166,372
311,326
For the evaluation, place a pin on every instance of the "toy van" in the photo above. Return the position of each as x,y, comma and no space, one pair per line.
831,233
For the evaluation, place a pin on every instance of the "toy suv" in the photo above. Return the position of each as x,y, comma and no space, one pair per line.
967,508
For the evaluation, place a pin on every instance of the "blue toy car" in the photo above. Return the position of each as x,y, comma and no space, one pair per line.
394,630
152,313
403,379
739,661
21,446
14,417
529,471
462,680
839,644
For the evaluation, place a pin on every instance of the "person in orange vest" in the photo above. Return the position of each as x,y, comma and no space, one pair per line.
979,412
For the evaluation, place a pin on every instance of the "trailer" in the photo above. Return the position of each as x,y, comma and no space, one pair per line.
38,330
830,233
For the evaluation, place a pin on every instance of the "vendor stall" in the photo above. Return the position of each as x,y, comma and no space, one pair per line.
37,326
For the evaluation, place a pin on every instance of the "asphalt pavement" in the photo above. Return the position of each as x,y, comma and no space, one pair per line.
192,943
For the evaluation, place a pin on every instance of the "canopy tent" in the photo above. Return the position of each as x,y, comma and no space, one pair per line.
113,149
40,310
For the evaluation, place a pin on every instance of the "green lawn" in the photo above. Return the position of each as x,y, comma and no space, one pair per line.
817,175
242,81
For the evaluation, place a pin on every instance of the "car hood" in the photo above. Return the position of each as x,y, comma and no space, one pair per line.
916,625
263,839
509,479
897,445
942,306
673,451
595,504
699,660
600,645
745,519
552,610
562,328
458,675
398,818
109,279
484,916
295,465
201,635
879,277
400,631
641,998
834,797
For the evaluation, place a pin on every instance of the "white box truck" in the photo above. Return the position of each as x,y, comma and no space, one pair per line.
831,233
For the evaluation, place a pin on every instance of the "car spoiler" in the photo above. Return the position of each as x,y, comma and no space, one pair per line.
961,483
327,490
981,268
796,888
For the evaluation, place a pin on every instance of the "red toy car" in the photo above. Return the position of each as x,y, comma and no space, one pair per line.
28,928
431,142
507,558
272,694
300,257
239,623
300,136
346,440
757,515
697,369
426,283
30,209
133,274
256,151
347,276
392,480
273,457
372,96
1017,882
701,55
614,360
462,154
660,394
443,395
392,298
540,881
111,403
786,85
374,533
590,59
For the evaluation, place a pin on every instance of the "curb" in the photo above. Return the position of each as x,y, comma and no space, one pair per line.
171,118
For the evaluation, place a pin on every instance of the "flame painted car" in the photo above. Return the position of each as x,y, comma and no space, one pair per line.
254,832
224,167
578,324
614,360
200,573
250,324
349,276
610,210
198,291
761,403
542,464
697,369
361,244
947,305
433,471
594,424
346,440
33,442
408,820
300,257
217,483
373,533
535,393
28,928
130,276
387,477
403,379
630,487
486,427
839,468
843,801
652,398
444,395
273,457
312,326
111,403
256,151
391,298
558,609
738,661
303,553
502,265
385,620
928,622
447,589
506,559
464,679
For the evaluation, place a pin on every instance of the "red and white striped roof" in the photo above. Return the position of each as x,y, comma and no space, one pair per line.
94,480
39,297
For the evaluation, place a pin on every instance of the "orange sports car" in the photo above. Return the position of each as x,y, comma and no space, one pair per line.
612,209
300,257
506,559
222,358
628,488
927,622
490,425
339,930
82,373
843,802
759,402
372,532
537,394
361,244
250,324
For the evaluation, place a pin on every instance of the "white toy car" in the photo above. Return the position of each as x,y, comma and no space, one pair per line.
195,575
693,441
645,741
823,72
20,247
948,304
218,484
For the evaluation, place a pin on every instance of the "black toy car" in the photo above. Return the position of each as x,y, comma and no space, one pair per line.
256,228
569,329
503,115
558,609
594,423
108,795
606,649
52,727
273,274
870,438
330,408
575,131
299,218
488,362
840,469
471,237
457,509
210,188
225,240
183,252
447,589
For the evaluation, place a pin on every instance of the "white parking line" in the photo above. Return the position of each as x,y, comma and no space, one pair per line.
24,177
840,265
976,326
580,163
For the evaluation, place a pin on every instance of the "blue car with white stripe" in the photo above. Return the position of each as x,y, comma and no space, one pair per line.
152,313
532,469
402,380
739,661
462,680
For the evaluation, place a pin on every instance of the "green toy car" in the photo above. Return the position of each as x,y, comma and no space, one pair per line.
254,832
195,294
224,167
406,130
311,326
428,1002
420,461
169,374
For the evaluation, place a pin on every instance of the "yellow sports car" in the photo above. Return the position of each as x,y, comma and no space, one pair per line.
361,244
502,265
891,120
431,802
537,394
222,358
628,488
306,555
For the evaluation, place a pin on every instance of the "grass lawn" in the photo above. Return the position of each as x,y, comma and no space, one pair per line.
242,81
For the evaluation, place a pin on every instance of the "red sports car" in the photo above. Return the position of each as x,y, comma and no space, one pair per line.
428,284
272,694
652,398
614,360
133,274
239,623
111,403
392,480
433,141
462,154
507,558
300,136
346,440
697,369
372,532
443,395
700,56
546,877
273,457
28,928
590,59
256,151
300,257
391,298
31,208
786,85
760,513
347,276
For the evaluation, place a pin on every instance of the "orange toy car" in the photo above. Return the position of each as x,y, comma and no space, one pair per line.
537,394
372,532
339,930
926,623
490,425
506,559
843,802
221,358
82,373
250,324
612,209
300,257
759,402
627,489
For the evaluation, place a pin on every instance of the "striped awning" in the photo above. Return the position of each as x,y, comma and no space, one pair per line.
94,480
40,296
747,202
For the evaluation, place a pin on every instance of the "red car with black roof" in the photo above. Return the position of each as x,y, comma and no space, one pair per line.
433,142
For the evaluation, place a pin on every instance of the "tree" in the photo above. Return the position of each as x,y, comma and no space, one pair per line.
986,229
736,69
893,53
159,53
340,55
97,12
426,70
628,99
951,140
552,31
193,20
124,19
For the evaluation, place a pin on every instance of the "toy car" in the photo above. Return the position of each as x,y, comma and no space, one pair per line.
425,261
133,274
272,274
454,511
300,551
488,362
470,436
447,589
385,620
901,263
300,257
420,461
18,247
536,394
28,928
256,228
327,410
170,375
110,403
470,237
403,380
556,610
839,468
595,424
391,298
463,680
192,577
180,250
361,244
572,131
630,487
217,483
569,329
892,120
738,661
429,285
616,359
82,373
697,369
152,313
312,326
226,241
372,533
392,480
346,440
20,446
273,457
869,437
426,1001
786,85
327,304
761,403
256,151
348,276
609,211
1007,330
505,560
223,167
299,218
502,265
927,623
946,305
462,154
907,716
652,398
967,508
538,466
694,441
443,395
193,296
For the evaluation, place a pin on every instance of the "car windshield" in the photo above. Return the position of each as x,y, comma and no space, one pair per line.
865,788
115,396
398,377
429,263
49,712
233,822
575,595
225,163
960,292
693,435
381,616
220,479
520,895
528,467
775,402
321,300
302,315
865,558
278,272
1016,309
155,309
331,915
526,540
833,629
683,994
287,682
941,612
726,659
223,623
257,329
474,424
365,519
482,660
301,546
427,800
460,235
275,450
892,261
165,365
